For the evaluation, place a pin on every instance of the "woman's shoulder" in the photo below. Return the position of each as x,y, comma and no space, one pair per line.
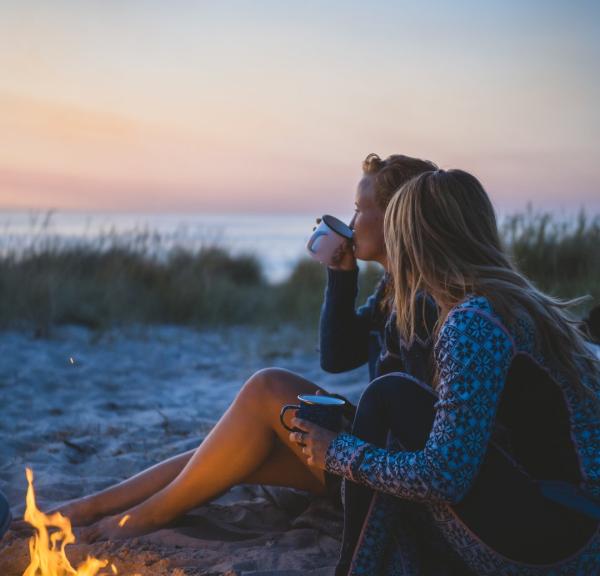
474,318
474,303
473,307
473,338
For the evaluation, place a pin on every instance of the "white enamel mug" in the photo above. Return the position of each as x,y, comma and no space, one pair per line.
330,234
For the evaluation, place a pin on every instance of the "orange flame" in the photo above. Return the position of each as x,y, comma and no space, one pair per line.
47,551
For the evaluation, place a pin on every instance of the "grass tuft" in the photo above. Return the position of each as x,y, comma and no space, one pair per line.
140,277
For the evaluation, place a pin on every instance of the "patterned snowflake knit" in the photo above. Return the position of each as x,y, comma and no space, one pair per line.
473,352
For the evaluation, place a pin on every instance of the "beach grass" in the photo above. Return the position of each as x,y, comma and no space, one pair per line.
116,279
561,256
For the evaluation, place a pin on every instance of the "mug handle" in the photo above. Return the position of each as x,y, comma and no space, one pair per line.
282,414
314,239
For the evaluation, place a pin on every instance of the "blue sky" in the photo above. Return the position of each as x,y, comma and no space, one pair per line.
271,106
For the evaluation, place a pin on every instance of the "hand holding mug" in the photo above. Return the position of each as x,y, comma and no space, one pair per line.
318,420
343,258
331,243
314,439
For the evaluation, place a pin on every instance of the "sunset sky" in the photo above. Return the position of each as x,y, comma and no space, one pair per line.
179,106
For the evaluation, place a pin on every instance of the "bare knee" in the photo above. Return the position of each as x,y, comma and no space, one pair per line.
265,385
375,390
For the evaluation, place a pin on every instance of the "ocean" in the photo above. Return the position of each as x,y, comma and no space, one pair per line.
278,240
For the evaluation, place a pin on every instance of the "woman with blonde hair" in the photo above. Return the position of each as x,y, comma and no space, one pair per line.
493,462
349,338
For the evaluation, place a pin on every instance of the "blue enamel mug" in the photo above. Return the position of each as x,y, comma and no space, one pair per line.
326,411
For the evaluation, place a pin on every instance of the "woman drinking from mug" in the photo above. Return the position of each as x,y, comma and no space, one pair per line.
349,338
495,459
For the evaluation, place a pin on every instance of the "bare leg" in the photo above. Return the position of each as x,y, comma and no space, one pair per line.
284,468
281,468
123,495
247,445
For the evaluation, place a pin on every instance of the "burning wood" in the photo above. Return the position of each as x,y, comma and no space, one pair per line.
47,549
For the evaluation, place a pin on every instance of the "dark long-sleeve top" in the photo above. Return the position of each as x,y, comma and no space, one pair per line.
350,336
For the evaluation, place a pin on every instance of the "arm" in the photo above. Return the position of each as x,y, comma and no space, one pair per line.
344,330
474,353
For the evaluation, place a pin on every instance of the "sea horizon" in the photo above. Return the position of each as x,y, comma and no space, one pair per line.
277,240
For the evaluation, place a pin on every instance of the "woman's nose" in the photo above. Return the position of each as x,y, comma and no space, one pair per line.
351,225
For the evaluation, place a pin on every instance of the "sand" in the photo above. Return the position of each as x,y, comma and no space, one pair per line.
85,410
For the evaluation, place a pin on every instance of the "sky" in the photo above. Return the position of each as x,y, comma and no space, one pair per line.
181,106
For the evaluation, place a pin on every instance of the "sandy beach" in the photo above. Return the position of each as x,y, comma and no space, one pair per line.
85,410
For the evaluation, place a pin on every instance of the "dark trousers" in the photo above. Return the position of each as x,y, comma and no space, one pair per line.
503,506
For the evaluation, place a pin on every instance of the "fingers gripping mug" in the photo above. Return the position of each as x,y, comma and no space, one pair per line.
326,411
327,238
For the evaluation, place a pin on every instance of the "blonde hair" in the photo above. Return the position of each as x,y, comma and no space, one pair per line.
441,237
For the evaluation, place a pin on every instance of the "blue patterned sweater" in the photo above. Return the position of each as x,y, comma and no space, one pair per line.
473,353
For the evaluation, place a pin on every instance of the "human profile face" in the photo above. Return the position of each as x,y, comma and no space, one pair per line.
367,223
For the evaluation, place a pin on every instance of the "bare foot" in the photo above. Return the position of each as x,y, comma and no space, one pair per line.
111,528
80,511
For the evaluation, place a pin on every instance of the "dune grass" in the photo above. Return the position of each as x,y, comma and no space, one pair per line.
114,279
562,257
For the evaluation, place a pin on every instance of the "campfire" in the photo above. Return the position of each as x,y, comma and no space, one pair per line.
47,549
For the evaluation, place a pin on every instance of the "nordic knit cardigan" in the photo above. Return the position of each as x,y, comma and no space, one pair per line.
473,353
